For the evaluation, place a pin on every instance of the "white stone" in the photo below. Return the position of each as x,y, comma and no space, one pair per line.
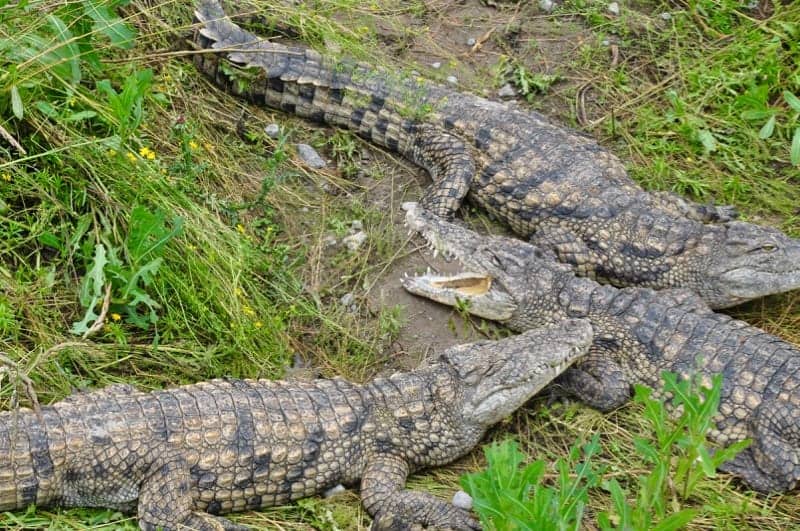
357,224
355,241
546,5
437,65
333,491
471,41
462,500
507,91
613,8
453,80
273,130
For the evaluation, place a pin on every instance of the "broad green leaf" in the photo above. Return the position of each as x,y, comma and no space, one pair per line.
676,521
757,114
16,102
768,128
792,100
795,152
708,140
46,109
109,24
81,115
68,52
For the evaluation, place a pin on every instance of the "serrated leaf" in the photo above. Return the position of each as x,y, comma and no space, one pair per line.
768,128
16,102
792,100
794,154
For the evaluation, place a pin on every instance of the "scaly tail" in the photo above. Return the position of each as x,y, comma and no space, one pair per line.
26,468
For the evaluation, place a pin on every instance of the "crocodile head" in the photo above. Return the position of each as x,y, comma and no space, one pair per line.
500,279
498,377
748,261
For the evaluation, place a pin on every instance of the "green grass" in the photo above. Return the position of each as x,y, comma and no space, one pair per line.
215,240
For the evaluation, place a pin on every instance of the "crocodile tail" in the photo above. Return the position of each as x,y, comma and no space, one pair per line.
26,468
248,50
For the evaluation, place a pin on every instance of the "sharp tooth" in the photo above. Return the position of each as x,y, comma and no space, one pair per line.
435,252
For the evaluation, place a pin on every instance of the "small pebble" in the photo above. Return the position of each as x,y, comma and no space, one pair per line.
273,130
462,500
665,16
333,491
355,241
437,65
546,5
613,8
357,225
605,42
471,41
507,91
329,240
453,80
310,156
347,299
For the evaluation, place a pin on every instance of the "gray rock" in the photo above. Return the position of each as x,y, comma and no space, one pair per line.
273,130
665,16
357,225
546,5
471,41
329,240
355,241
310,156
462,500
605,42
453,80
507,91
613,8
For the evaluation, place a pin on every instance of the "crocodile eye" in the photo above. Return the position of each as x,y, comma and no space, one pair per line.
766,248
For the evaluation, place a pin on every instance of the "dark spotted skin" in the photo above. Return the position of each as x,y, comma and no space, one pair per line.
225,445
546,181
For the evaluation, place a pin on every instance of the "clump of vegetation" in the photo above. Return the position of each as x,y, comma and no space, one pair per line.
509,496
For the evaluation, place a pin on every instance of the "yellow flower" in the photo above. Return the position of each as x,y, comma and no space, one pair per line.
258,324
147,153
163,171
237,291
111,153
115,317
240,228
131,156
247,310
7,177
193,145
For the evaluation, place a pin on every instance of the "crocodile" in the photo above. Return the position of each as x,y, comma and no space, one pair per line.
551,184
639,334
181,456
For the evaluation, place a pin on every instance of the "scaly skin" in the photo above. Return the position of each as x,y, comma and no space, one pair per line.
181,456
549,183
639,333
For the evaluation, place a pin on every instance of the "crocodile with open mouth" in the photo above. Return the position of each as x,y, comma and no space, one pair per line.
639,334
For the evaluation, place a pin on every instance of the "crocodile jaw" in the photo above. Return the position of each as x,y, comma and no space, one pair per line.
483,297
498,377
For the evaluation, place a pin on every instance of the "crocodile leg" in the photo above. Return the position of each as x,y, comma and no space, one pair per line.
597,379
397,509
694,211
566,245
450,165
165,499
